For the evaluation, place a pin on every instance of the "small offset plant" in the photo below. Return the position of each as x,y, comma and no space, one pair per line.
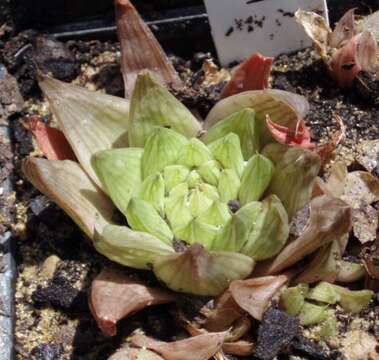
201,206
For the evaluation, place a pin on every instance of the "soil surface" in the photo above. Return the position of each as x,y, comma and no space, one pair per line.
56,262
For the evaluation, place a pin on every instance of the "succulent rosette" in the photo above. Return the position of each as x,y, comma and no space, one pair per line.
203,202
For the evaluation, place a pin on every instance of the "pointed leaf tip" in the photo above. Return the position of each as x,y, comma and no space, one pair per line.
140,49
199,272
91,121
152,105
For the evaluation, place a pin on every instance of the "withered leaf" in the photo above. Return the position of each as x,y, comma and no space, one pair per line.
114,296
255,295
204,346
330,219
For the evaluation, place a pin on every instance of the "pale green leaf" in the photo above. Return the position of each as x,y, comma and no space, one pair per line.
153,191
228,185
241,123
174,175
91,121
130,248
270,231
198,202
142,216
292,299
227,151
255,179
119,172
152,105
295,172
199,272
217,214
193,179
312,314
197,232
210,172
236,231
161,149
194,153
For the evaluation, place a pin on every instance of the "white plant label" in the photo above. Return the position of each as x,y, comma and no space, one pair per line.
241,27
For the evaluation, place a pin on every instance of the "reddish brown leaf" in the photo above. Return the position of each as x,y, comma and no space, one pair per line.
344,30
252,74
140,49
325,151
224,314
358,54
239,348
330,219
255,295
300,136
114,296
201,347
50,141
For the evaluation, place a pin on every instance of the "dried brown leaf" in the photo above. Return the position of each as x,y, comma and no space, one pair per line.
316,28
129,353
324,266
114,296
66,183
140,49
239,348
371,260
344,30
201,347
330,218
224,314
255,295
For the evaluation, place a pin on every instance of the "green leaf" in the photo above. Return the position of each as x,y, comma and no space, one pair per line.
198,202
255,178
177,210
153,191
217,214
194,153
197,232
295,172
130,248
161,149
210,172
209,191
119,172
174,175
283,108
324,292
241,123
270,231
228,185
199,272
91,121
292,299
153,106
312,314
142,216
193,179
350,300
236,231
227,151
